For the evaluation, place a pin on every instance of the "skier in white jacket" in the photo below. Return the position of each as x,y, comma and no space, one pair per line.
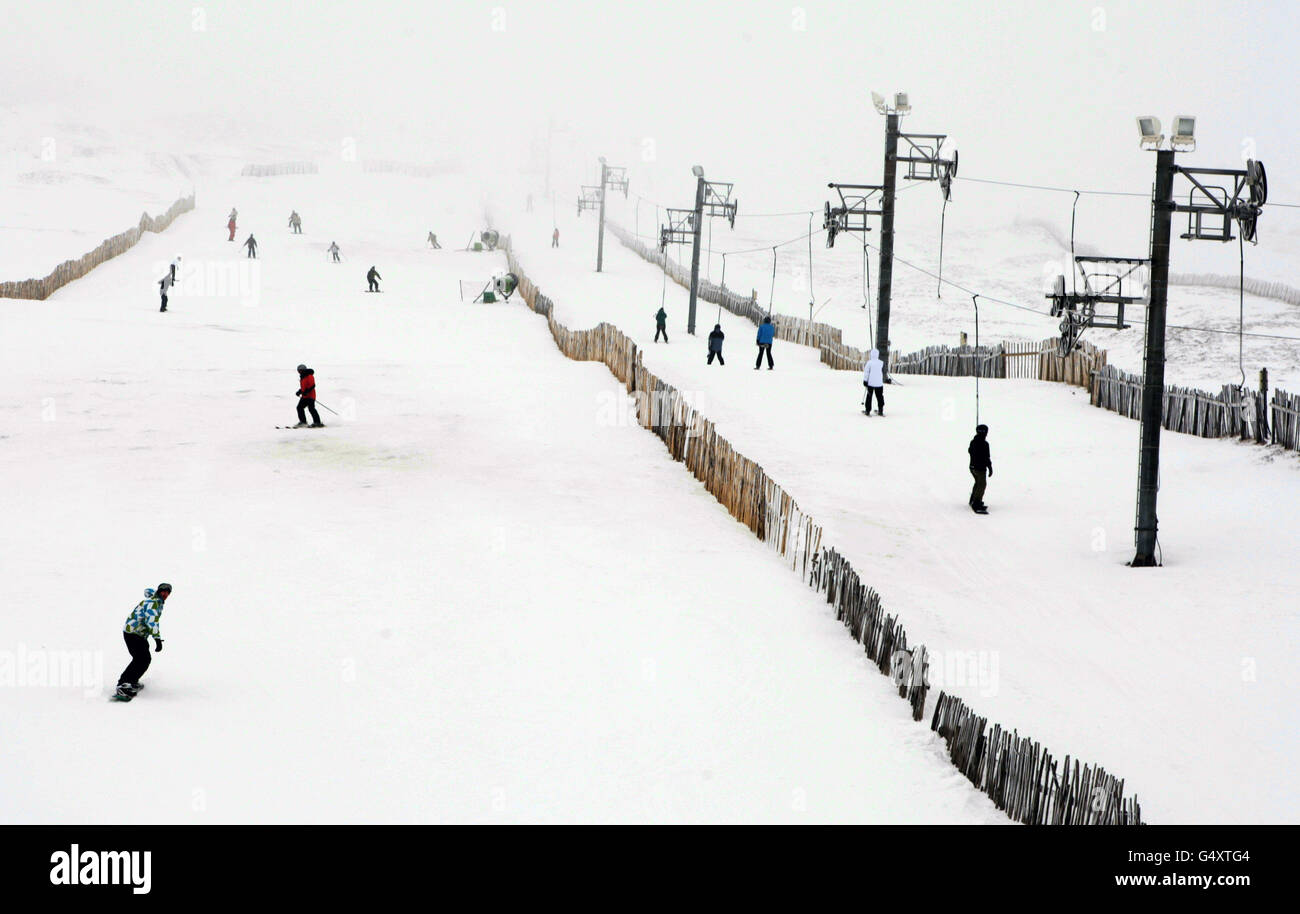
873,379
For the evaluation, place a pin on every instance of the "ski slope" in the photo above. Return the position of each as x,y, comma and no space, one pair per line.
1179,679
482,594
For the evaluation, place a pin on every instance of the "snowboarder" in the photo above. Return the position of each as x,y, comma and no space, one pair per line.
334,250
980,465
873,379
555,238
661,324
307,398
373,277
231,224
766,333
140,626
163,285
715,344
433,241
295,222
251,244
176,265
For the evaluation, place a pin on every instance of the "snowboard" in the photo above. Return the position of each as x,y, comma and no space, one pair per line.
117,696
299,427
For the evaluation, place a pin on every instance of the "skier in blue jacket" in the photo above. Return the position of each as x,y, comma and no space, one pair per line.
141,625
766,333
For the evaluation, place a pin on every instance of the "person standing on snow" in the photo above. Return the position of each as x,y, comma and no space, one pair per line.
373,277
295,222
766,333
433,241
164,284
715,344
333,249
140,626
555,238
307,398
873,379
176,265
980,464
251,244
661,324
231,224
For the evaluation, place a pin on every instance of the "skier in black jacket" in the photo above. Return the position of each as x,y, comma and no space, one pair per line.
980,465
661,324
715,344
373,277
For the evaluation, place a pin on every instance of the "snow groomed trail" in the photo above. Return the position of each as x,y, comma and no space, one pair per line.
476,596
1177,679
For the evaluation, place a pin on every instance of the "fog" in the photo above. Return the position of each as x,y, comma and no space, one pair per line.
774,96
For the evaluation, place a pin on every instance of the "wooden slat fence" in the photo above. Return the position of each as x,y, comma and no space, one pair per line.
272,169
1020,776
69,270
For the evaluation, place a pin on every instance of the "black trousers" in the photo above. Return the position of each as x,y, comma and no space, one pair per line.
138,645
660,328
303,406
252,252
164,302
336,258
374,286
977,490
879,394
762,348
719,355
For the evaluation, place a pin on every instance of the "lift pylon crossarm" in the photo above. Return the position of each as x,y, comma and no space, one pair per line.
1243,205
851,215
679,230
718,202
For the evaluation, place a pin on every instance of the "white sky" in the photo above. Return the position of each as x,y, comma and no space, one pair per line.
1030,90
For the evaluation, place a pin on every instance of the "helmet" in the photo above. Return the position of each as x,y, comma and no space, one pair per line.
163,586
302,367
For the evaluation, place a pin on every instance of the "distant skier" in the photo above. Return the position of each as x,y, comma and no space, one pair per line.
766,333
231,223
140,626
307,398
251,244
980,465
529,204
333,249
873,379
555,238
164,285
433,241
295,222
661,324
176,265
373,277
715,344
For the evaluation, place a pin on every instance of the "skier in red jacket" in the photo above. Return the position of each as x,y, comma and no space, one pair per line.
307,398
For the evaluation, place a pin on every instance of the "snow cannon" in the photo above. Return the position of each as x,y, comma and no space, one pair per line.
490,239
505,284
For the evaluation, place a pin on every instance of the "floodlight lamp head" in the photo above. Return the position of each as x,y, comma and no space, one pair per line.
901,104
697,171
1149,129
1183,136
879,101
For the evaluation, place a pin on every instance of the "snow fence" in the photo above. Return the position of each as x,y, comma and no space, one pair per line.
1019,775
1234,412
273,169
66,272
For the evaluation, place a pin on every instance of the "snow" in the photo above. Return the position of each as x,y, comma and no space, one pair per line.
1179,679
473,597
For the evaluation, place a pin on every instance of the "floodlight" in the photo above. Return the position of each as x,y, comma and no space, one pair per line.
1183,136
602,160
1149,128
901,105
697,171
879,101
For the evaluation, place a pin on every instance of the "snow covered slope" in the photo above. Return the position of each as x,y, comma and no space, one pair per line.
1179,679
473,597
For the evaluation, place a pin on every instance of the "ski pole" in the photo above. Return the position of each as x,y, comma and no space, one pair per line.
323,406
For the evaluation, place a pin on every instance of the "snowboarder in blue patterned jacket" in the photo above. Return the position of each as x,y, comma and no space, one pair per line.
141,625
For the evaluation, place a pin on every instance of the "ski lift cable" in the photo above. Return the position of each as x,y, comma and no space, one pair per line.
1070,190
1074,279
